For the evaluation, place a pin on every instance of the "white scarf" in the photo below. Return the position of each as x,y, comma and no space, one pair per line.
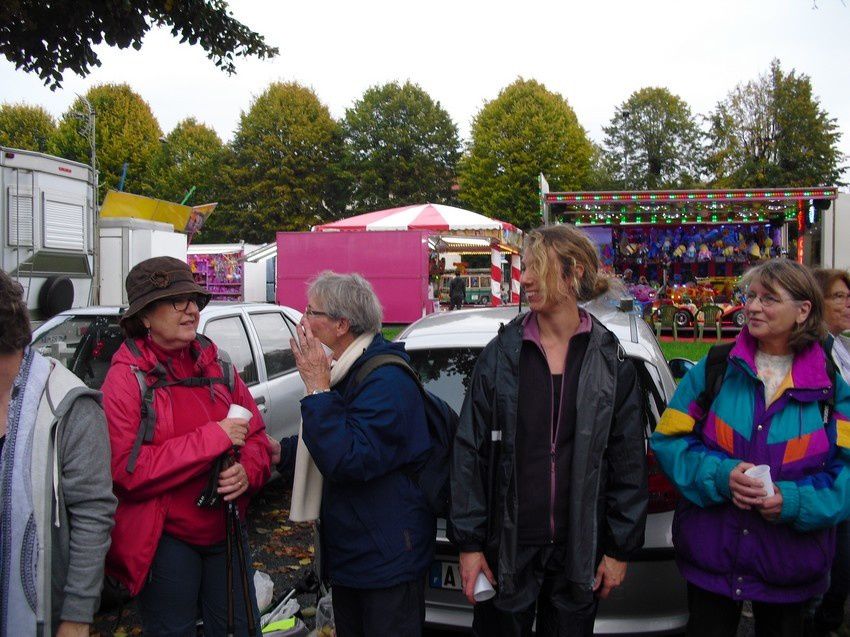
307,485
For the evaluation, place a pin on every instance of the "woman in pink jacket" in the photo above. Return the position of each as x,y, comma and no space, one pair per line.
166,438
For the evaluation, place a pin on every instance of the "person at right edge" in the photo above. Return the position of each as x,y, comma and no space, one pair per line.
779,404
564,504
835,286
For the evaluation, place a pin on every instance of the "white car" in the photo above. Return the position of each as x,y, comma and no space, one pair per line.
444,348
254,335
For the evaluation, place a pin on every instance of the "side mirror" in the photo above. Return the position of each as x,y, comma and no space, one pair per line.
679,367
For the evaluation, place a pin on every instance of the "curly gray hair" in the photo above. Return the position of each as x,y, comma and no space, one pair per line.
348,296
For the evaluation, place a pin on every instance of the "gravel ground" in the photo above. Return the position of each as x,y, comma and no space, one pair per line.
281,548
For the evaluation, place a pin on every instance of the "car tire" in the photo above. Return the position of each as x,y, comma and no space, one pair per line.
739,319
683,318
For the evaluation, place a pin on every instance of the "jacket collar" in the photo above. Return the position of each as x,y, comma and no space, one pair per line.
531,329
808,369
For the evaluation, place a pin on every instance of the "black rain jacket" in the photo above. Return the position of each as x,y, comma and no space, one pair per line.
608,479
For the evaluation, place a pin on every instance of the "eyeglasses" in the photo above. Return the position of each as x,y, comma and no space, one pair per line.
839,297
181,303
766,300
311,312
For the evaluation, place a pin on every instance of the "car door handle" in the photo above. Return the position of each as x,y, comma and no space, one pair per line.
260,400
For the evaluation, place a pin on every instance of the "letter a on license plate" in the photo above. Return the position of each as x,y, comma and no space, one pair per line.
445,575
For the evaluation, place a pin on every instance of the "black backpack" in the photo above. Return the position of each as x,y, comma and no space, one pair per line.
717,361
432,475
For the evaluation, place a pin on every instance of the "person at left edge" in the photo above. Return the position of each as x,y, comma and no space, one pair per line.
56,501
377,532
165,548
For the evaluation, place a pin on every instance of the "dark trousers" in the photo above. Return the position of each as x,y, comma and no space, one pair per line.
185,578
367,612
713,615
456,303
830,612
542,587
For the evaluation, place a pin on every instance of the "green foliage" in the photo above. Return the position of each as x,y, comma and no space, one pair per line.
25,127
49,38
526,130
402,148
653,141
283,172
773,132
192,155
125,131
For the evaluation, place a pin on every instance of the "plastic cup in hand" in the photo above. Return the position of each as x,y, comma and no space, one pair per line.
238,411
762,472
483,588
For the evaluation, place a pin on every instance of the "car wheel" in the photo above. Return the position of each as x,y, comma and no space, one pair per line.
683,318
739,319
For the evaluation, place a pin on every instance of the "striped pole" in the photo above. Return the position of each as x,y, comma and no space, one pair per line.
495,276
515,271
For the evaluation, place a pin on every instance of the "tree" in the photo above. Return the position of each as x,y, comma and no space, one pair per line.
526,130
25,127
653,141
126,132
49,38
191,156
402,148
773,132
283,173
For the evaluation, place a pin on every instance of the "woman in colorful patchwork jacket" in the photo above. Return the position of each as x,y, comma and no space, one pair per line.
780,404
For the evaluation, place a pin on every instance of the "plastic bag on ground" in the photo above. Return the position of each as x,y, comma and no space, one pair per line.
264,586
325,617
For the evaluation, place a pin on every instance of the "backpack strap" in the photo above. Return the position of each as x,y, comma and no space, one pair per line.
147,423
385,359
828,405
715,369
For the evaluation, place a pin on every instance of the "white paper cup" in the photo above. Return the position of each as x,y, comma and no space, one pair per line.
483,589
238,411
762,472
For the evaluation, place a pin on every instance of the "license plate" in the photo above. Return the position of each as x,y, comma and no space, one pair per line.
445,575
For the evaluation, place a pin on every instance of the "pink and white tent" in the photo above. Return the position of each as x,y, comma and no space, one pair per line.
428,216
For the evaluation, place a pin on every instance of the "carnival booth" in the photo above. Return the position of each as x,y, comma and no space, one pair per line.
679,235
231,271
693,243
357,245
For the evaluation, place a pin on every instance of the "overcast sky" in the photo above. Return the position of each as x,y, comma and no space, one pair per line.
463,52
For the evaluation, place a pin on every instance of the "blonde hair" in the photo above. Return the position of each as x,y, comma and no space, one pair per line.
571,247
798,281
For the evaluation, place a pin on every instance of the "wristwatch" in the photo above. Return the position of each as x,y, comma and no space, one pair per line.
319,391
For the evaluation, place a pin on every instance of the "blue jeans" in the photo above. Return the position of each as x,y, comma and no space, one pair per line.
187,580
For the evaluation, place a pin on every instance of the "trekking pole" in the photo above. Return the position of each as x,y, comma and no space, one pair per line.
243,567
228,552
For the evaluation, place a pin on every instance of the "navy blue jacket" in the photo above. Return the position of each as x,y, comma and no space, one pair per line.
377,530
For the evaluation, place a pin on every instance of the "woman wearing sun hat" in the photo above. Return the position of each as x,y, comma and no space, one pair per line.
166,548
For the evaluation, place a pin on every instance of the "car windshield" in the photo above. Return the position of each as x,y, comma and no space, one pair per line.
446,372
83,344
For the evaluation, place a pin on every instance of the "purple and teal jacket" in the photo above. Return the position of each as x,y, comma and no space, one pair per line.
736,553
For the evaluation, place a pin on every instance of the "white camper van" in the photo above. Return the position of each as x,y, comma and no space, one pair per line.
47,229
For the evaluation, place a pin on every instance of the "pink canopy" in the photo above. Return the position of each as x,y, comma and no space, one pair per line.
429,216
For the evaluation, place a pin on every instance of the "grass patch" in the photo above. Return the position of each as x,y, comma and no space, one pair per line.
391,330
685,349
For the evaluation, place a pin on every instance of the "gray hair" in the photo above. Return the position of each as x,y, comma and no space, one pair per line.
348,296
